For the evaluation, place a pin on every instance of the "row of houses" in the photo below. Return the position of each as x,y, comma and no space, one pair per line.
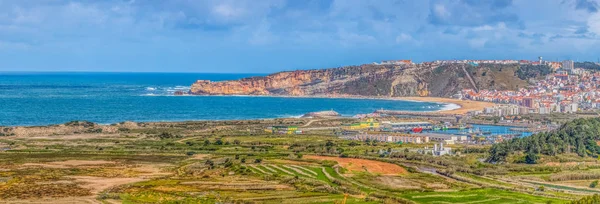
391,137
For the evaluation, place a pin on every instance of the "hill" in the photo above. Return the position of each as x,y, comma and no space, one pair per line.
578,136
378,81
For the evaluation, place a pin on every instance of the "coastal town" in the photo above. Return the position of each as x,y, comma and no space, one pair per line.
566,89
484,116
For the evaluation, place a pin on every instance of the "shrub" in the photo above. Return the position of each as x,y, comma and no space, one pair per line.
594,184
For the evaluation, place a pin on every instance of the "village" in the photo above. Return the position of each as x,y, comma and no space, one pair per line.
429,132
567,90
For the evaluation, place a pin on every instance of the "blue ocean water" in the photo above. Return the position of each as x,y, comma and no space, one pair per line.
53,98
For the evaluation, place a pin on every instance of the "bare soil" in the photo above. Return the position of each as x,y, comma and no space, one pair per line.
370,166
99,184
71,163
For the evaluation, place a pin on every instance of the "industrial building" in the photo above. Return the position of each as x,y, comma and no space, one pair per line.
396,138
406,126
368,124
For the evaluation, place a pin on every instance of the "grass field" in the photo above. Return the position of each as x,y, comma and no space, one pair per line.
236,162
479,196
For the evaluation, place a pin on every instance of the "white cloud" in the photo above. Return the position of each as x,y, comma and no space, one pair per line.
227,11
403,37
593,23
499,26
441,11
477,42
262,34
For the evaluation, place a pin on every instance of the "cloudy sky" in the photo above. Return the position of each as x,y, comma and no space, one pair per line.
260,36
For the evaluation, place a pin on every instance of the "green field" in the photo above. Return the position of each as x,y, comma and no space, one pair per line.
237,162
479,196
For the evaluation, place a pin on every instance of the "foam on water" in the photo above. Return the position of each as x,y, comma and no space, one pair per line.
450,106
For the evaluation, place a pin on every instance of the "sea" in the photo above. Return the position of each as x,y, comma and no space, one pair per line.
35,99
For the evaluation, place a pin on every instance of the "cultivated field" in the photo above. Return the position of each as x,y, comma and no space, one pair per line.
236,162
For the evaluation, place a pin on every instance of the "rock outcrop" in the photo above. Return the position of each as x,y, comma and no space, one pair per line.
369,80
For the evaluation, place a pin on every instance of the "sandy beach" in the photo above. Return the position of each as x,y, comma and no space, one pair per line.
465,105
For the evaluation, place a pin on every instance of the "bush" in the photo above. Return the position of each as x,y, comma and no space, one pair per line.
594,184
531,158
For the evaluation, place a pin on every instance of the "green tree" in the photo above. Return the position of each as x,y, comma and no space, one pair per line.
531,158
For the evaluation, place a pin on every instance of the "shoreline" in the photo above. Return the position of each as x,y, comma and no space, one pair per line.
465,105
456,106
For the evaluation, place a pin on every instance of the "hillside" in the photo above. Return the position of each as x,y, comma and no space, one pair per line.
373,80
579,136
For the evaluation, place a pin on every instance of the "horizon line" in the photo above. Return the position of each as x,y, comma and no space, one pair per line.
131,72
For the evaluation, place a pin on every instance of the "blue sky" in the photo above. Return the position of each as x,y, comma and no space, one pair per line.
261,36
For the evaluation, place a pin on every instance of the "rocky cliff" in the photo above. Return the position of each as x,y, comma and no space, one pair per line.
370,80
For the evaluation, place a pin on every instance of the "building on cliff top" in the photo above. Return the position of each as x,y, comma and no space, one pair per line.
394,62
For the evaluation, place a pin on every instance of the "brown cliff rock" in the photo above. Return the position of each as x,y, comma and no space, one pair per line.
365,80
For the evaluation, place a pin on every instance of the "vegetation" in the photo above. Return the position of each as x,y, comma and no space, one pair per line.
529,71
594,184
237,162
578,136
587,65
594,199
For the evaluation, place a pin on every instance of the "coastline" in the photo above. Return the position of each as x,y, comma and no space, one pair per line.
452,106
465,105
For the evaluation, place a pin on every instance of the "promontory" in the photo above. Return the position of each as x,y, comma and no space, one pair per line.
372,80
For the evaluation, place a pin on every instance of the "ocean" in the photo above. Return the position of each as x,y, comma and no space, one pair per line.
31,99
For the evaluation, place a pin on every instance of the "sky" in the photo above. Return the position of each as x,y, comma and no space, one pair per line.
263,36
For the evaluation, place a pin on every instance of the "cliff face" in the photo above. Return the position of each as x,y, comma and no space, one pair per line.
364,80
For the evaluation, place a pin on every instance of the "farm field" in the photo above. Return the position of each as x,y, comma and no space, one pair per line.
237,162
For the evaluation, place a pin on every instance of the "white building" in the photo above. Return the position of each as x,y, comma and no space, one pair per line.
568,64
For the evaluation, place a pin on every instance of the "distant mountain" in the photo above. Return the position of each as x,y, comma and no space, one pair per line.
377,80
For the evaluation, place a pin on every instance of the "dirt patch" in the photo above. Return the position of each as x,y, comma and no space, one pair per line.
564,164
200,156
99,184
370,166
68,200
282,161
71,163
395,182
152,170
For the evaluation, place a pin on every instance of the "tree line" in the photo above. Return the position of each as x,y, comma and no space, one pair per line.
578,136
529,71
587,65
